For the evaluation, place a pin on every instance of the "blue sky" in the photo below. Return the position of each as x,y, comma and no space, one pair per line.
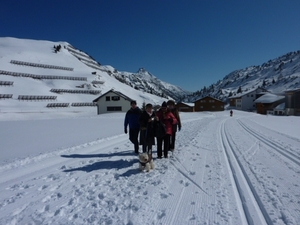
189,43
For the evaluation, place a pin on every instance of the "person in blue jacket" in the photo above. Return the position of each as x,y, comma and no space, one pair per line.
132,119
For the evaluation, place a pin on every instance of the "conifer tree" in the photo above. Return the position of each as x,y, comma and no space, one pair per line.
239,90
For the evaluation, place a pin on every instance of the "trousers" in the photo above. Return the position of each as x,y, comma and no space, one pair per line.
163,141
133,137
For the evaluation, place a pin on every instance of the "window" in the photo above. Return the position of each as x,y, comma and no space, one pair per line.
115,98
211,100
107,98
202,101
114,108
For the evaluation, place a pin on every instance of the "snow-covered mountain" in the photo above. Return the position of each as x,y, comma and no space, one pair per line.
147,82
35,74
277,76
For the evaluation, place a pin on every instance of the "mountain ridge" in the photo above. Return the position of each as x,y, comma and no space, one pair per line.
32,78
276,75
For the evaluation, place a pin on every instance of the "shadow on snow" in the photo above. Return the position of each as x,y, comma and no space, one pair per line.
126,153
106,164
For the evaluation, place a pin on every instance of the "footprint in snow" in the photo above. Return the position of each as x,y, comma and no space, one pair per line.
161,214
184,183
43,187
162,195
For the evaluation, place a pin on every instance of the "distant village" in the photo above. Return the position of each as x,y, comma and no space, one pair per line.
258,100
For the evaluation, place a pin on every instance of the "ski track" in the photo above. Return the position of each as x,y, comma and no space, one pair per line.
246,195
85,184
258,163
288,152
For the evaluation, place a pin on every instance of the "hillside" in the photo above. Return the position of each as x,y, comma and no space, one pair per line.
277,76
44,76
36,74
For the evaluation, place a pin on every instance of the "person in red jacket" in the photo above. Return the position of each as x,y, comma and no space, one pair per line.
174,110
167,119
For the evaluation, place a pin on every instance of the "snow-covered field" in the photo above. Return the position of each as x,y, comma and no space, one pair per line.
79,168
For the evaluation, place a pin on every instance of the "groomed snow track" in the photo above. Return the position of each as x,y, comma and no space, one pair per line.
247,196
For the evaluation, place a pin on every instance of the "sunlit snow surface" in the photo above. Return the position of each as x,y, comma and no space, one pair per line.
79,168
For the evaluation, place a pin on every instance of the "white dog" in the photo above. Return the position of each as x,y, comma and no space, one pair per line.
146,161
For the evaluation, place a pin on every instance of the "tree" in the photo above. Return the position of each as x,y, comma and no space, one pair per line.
239,90
144,106
57,48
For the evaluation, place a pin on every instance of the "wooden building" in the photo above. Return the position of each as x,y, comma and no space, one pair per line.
208,104
185,107
268,102
292,103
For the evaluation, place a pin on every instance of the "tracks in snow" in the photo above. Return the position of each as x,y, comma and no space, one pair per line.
272,144
247,198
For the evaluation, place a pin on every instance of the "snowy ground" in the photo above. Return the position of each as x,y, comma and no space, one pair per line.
80,169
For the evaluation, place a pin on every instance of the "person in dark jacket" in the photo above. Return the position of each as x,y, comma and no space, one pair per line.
171,107
132,119
167,120
147,129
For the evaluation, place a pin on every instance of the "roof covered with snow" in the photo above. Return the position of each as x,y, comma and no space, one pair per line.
269,98
280,106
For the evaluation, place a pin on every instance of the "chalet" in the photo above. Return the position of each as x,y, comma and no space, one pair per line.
245,101
232,101
268,102
208,104
279,110
185,107
292,103
112,101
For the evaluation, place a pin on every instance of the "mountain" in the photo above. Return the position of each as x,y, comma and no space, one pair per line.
277,76
35,74
144,81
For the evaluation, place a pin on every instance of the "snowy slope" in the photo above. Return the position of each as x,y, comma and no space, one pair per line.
98,78
147,82
277,76
73,168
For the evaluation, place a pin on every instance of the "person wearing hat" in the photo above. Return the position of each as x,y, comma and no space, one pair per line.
147,129
171,107
165,118
132,119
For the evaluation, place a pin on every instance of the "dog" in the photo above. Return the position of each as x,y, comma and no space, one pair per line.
146,161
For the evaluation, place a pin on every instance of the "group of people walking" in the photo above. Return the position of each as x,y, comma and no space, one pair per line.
145,126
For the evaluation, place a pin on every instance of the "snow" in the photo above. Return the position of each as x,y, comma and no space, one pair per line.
280,106
269,98
71,166
79,168
42,52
